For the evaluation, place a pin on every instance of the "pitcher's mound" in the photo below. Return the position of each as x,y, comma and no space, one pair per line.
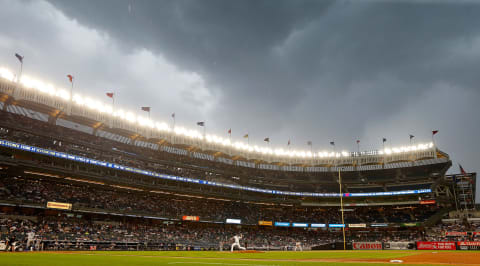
248,251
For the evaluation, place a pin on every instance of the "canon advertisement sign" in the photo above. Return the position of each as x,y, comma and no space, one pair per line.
367,245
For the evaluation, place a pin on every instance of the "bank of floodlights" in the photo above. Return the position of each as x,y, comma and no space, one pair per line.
89,103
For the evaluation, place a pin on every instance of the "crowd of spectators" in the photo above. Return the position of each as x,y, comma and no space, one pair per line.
458,230
70,231
59,232
82,195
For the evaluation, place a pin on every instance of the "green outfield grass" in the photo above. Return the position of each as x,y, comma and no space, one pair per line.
199,258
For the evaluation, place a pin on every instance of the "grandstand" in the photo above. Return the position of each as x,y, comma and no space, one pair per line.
82,176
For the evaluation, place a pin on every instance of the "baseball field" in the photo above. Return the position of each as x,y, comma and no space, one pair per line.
343,258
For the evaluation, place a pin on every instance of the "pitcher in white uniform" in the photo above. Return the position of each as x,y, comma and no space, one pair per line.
30,239
237,243
298,245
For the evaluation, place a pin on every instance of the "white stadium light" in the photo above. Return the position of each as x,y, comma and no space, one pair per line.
162,127
27,82
6,74
130,117
64,94
108,109
78,99
119,113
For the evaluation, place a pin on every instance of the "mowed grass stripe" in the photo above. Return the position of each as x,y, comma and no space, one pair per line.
194,257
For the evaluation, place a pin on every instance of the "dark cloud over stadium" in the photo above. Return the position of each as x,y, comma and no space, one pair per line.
299,70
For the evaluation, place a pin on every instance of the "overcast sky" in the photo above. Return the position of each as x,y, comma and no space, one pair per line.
299,70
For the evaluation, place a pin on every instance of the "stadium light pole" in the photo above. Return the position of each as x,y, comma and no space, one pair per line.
341,208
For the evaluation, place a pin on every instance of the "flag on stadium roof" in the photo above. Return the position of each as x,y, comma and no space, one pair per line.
288,144
412,136
19,57
202,124
245,136
70,77
434,132
267,140
462,170
309,143
146,108
332,143
230,131
110,94
358,141
384,140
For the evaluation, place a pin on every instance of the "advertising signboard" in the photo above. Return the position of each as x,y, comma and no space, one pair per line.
435,245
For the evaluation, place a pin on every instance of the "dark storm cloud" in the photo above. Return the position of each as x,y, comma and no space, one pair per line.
315,70
231,43
272,52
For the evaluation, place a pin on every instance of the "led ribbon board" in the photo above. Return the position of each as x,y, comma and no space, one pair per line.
336,225
318,225
59,205
300,225
282,224
71,157
233,221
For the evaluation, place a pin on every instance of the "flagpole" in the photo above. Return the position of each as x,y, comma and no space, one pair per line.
341,207
71,90
71,95
21,69
173,129
19,76
230,139
311,150
313,155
